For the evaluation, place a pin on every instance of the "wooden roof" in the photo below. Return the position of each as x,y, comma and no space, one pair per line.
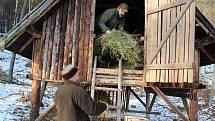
20,38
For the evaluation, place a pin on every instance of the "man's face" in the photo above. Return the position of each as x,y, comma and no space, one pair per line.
121,12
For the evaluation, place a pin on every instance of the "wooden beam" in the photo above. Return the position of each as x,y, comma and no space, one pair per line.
44,113
166,35
202,26
168,6
193,108
171,105
132,91
170,66
210,57
152,102
32,31
184,101
26,45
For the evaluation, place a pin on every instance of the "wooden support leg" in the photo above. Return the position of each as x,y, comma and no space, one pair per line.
127,98
184,100
132,91
35,100
152,102
147,104
171,105
43,89
193,106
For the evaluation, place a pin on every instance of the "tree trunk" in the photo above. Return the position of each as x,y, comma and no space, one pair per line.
10,75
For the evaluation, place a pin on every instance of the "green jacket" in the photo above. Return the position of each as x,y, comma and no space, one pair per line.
109,20
75,104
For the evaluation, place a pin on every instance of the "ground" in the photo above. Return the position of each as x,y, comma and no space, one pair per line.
15,97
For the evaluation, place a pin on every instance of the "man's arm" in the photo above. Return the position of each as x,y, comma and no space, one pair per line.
90,107
103,19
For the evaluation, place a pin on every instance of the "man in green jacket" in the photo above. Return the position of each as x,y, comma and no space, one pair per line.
113,18
72,101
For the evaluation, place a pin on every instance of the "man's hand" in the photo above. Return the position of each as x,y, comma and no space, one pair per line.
108,31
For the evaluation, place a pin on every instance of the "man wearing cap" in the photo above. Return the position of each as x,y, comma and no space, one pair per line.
72,101
113,18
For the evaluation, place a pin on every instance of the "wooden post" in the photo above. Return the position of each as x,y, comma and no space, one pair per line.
94,78
127,97
184,101
35,96
147,104
193,105
10,75
119,101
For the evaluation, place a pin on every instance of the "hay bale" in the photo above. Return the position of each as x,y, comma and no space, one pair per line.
119,45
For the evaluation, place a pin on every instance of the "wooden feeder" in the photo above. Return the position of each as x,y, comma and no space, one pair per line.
61,32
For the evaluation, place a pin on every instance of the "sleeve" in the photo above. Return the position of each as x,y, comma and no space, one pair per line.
90,107
103,19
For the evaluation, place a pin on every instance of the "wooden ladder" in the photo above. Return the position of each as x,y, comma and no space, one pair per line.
95,86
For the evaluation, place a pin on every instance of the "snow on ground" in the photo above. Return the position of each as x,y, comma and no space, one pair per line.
14,106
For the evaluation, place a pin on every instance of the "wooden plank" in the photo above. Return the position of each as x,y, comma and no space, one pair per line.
115,77
149,38
68,34
169,103
186,44
91,40
62,40
45,48
173,46
145,71
167,34
168,6
54,62
115,71
168,43
74,50
154,38
170,66
158,40
57,37
107,89
87,38
50,48
191,41
181,42
177,45
163,49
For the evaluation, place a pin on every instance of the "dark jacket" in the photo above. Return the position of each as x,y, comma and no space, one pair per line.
75,104
109,20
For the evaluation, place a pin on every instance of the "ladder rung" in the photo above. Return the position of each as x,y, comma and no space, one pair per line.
107,89
114,107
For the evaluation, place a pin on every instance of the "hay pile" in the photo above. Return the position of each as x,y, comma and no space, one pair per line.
119,45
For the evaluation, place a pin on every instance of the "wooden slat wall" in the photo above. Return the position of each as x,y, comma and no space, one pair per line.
179,46
66,39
